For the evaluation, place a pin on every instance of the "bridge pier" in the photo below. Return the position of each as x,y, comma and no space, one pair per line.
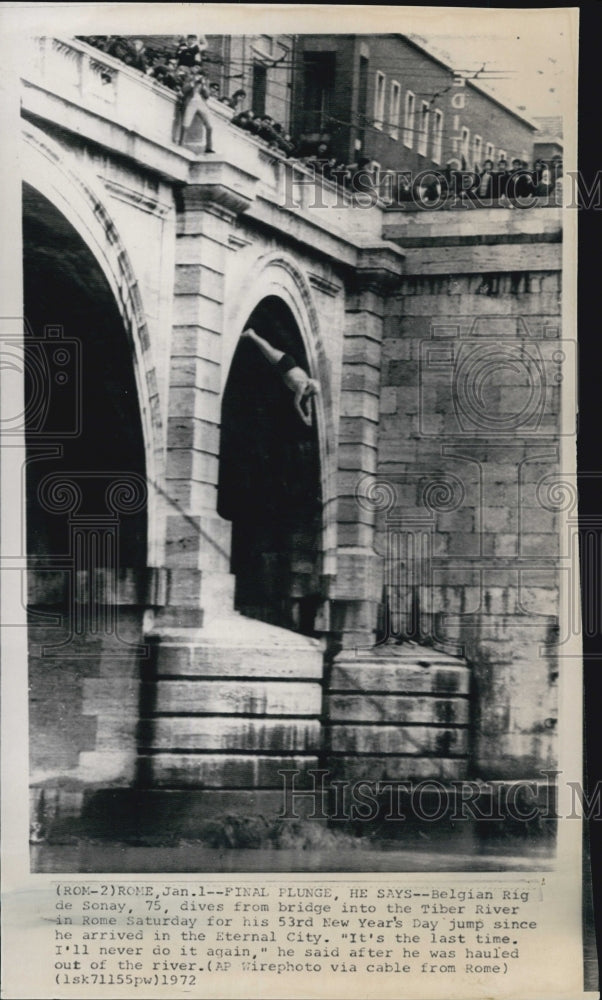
228,700
357,591
197,538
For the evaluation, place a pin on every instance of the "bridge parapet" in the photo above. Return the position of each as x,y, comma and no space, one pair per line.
80,73
102,100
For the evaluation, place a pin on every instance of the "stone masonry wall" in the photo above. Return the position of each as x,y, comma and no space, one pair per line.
469,523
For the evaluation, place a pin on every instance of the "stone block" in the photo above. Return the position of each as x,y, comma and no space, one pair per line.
362,350
178,617
189,432
396,767
389,400
191,401
393,452
349,480
539,544
110,696
355,534
398,739
359,404
198,542
202,235
198,310
360,639
234,734
357,574
197,279
355,430
354,616
195,371
359,457
186,463
432,424
464,544
367,303
393,708
539,600
360,377
237,647
350,512
537,520
193,588
498,519
184,494
409,328
402,373
195,340
362,326
108,765
238,697
382,675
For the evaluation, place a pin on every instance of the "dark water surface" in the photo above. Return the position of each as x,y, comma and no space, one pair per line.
103,856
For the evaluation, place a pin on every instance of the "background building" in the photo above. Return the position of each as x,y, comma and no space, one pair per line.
390,99
548,140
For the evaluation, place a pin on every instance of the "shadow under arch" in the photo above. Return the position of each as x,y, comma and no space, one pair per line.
75,194
270,481
91,409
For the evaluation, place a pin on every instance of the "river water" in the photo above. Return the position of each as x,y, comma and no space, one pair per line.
193,856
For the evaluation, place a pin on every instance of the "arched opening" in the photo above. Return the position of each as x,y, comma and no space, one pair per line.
86,519
81,397
269,485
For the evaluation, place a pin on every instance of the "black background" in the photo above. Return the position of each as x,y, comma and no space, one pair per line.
590,368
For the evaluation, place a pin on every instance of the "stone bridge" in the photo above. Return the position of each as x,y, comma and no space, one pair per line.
216,592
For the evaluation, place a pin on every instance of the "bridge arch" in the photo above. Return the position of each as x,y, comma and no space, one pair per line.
47,170
277,274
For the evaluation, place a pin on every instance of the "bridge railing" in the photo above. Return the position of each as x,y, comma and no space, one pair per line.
106,87
84,75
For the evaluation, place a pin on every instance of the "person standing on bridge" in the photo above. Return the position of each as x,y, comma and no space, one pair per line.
196,107
293,376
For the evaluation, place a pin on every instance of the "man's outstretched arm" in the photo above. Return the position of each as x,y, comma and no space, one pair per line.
272,354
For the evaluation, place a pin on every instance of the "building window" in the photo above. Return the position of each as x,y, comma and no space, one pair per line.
477,149
410,109
423,129
260,75
437,135
465,142
319,76
379,100
501,154
489,151
394,110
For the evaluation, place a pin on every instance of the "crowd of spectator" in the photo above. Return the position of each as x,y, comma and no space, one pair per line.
504,184
175,68
186,70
